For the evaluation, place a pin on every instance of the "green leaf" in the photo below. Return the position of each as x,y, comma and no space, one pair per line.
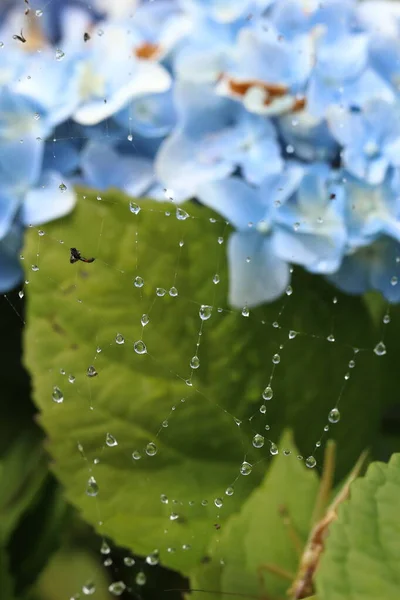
362,555
6,580
257,536
74,308
38,534
23,471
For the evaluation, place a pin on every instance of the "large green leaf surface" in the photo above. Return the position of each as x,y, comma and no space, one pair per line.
73,309
257,535
362,556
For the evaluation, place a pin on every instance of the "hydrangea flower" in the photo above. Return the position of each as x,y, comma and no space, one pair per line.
370,138
214,136
281,115
256,273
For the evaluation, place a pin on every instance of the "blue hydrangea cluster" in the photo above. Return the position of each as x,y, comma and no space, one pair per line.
281,115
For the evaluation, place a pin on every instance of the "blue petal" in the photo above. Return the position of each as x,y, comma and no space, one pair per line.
234,200
8,208
372,267
11,273
47,201
20,164
104,168
256,274
152,115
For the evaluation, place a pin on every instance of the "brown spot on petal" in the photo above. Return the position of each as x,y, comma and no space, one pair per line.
273,90
147,51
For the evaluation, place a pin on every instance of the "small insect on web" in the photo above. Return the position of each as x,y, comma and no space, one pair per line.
20,37
76,255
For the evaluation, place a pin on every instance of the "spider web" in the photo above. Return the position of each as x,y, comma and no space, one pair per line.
155,299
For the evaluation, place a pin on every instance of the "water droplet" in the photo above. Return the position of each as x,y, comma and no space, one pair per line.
62,371
195,362
161,292
173,292
105,548
237,421
220,240
138,282
274,450
216,278
326,428
21,294
310,462
129,137
35,268
229,491
205,312
204,502
347,376
394,280
258,441
334,416
276,359
380,349
248,259
186,547
134,208
110,440
173,516
136,455
165,423
296,226
151,449
59,54
386,319
41,233
218,502
57,395
91,371
140,578
145,320
245,468
275,325
164,499
71,378
117,588
92,487
268,393
129,561
38,12
89,588
140,347
181,244
181,214
287,452
119,338
292,334
245,311
352,364
289,290
263,409
331,338
153,559
100,32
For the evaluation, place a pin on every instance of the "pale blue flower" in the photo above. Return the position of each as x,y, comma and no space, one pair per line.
312,230
375,266
370,138
111,75
104,167
372,210
269,72
214,136
151,115
256,273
